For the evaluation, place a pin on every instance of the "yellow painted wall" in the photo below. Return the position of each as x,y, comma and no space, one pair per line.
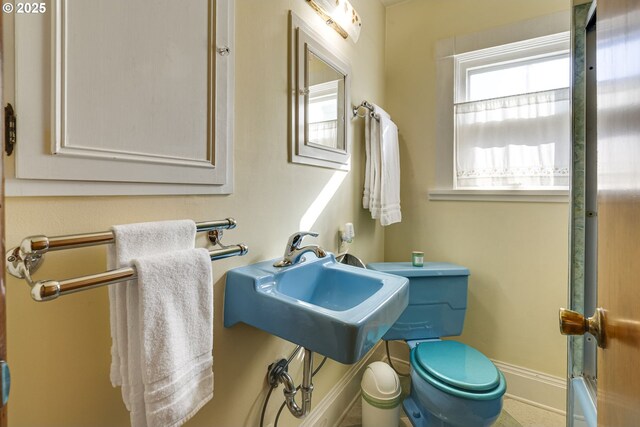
517,252
59,351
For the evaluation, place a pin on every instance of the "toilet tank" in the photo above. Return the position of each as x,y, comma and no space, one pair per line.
437,299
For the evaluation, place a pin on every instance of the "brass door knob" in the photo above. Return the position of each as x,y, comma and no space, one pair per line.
574,323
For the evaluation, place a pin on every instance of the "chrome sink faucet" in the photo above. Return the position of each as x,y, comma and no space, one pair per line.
293,251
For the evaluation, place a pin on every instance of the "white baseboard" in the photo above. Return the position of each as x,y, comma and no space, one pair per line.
525,385
535,388
335,405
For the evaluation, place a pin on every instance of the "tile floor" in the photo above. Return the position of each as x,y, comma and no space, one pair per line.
531,416
514,414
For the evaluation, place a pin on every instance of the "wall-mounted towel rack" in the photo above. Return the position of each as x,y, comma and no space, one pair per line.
368,106
24,260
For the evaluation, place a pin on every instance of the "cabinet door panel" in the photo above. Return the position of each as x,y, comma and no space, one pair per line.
123,91
131,83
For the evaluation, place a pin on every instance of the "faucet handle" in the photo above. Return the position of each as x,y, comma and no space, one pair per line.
295,240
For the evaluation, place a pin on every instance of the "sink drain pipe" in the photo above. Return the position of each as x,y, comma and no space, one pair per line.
278,375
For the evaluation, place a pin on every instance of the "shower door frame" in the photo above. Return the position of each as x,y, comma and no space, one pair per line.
582,350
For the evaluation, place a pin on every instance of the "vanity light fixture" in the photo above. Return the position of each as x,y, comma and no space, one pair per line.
339,15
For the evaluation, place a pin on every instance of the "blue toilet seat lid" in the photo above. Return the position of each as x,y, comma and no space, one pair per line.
457,365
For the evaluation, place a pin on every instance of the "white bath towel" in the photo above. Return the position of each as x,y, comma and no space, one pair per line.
176,334
382,168
134,241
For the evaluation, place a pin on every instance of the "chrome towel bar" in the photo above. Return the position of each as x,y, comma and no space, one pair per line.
24,260
45,290
39,245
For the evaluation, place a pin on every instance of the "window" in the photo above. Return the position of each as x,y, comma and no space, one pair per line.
512,116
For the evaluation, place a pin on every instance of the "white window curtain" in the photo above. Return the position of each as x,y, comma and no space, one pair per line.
519,141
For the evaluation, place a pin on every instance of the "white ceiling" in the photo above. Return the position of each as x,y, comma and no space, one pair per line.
391,2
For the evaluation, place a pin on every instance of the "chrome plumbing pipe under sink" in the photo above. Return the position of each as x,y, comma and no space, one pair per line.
278,374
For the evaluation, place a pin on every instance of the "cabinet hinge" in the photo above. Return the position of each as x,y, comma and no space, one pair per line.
10,130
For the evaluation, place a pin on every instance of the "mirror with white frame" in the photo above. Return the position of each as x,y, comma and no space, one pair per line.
319,84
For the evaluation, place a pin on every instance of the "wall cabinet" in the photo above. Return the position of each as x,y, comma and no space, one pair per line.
124,97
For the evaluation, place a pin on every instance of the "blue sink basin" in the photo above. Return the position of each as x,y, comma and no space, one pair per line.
333,309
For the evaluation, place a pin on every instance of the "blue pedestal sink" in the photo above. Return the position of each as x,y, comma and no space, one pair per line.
330,308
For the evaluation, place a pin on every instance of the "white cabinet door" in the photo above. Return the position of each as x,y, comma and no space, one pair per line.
126,94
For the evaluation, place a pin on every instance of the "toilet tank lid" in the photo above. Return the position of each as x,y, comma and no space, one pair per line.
406,269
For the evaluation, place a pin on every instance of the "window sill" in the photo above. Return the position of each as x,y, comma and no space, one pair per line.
540,196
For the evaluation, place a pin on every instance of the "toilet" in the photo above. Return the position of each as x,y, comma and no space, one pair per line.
452,384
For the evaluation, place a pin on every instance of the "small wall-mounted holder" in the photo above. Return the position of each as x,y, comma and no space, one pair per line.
25,259
364,104
215,238
347,234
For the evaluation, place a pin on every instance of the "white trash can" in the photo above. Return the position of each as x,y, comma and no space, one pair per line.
380,396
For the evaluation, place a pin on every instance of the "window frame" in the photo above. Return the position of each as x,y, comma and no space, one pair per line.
469,46
530,50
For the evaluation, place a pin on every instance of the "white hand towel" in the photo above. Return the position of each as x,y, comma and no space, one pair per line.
366,194
116,378
382,169
375,202
389,170
175,294
133,241
374,173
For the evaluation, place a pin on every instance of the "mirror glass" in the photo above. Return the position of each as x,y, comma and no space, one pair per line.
324,104
319,82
